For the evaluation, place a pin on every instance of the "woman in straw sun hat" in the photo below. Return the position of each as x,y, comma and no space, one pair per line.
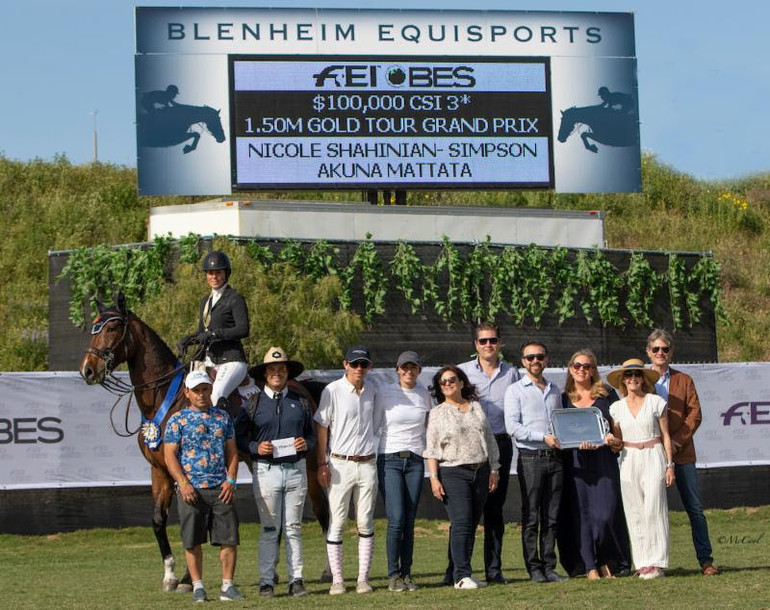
646,466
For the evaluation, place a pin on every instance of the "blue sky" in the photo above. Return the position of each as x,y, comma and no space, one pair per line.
703,72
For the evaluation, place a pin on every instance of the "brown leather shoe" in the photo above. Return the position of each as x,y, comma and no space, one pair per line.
709,569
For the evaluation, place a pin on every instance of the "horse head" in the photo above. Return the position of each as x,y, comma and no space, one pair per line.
567,125
214,124
109,342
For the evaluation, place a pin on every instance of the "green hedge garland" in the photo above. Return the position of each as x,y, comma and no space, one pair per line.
526,283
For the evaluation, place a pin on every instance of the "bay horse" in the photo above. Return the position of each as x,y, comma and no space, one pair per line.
604,125
171,126
119,336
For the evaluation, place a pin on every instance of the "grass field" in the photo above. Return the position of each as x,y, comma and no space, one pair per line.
122,568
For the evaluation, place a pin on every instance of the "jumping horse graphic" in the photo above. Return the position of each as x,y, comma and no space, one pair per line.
603,125
171,125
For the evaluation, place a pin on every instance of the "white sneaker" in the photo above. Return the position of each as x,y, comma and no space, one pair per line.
467,583
337,588
651,575
363,586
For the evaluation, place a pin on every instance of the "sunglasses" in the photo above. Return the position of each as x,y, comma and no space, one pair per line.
490,340
531,357
359,364
586,366
629,374
666,349
448,381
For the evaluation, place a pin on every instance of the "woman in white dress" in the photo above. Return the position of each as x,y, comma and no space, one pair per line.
640,427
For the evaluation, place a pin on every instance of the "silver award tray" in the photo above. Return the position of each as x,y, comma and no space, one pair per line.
575,426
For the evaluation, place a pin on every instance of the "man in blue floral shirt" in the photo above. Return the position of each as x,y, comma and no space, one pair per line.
202,458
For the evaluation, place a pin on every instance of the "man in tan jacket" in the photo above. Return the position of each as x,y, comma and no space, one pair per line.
684,417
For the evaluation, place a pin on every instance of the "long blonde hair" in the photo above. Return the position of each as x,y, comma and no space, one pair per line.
598,388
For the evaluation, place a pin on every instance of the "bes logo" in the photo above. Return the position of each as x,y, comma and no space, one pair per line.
357,76
748,413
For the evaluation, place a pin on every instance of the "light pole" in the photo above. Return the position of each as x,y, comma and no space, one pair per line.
94,139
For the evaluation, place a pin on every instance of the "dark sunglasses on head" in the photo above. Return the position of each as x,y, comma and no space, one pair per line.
657,348
448,381
359,364
629,374
491,340
587,366
532,357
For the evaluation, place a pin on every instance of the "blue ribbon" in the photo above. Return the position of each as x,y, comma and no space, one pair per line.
154,423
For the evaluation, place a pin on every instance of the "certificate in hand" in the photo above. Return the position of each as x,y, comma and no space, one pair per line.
284,447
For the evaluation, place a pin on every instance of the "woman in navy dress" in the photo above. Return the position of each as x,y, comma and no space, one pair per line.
592,531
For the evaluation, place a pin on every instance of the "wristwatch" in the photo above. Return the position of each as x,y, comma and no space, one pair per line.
670,465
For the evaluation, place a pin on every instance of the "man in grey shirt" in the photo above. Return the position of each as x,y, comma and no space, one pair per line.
528,406
492,376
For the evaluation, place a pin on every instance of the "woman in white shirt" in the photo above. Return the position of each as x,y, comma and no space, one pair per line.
640,427
400,416
463,461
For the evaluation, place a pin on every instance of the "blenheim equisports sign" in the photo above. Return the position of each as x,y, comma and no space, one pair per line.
247,99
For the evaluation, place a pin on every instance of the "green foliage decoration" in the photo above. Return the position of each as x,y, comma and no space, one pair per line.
642,286
482,282
405,270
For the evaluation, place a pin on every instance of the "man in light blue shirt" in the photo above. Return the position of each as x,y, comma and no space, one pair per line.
492,377
528,406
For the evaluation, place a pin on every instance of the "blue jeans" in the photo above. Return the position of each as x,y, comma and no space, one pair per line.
400,481
466,492
280,491
687,484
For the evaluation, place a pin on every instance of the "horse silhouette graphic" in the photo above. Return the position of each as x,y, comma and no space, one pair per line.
170,124
613,122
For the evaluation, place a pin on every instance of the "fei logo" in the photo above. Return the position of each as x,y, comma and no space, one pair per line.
756,412
358,76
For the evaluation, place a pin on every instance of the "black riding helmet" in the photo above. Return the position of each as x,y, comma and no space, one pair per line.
215,260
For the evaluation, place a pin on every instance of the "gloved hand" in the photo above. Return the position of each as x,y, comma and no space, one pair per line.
184,342
205,336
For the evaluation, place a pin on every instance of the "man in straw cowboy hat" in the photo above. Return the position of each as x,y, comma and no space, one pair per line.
276,428
684,417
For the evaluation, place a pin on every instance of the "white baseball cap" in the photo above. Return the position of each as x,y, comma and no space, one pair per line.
196,378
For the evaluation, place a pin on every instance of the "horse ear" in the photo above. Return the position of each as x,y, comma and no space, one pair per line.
120,301
562,112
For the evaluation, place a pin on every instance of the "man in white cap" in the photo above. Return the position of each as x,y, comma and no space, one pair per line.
349,468
276,428
201,456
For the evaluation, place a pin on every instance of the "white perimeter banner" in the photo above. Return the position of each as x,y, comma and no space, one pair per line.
55,431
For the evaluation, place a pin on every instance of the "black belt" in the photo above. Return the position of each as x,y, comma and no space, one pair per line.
404,455
502,437
540,452
473,467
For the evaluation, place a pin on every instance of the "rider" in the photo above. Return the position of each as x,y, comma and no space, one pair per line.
155,100
616,100
223,322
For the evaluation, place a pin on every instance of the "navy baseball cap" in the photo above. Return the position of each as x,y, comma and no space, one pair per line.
358,352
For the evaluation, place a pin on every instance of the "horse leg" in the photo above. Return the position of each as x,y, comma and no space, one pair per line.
590,146
162,489
191,147
320,505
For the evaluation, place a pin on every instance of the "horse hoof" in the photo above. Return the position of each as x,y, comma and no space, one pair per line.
184,588
170,585
325,577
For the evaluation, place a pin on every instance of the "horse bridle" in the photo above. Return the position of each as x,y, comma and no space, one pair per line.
109,382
